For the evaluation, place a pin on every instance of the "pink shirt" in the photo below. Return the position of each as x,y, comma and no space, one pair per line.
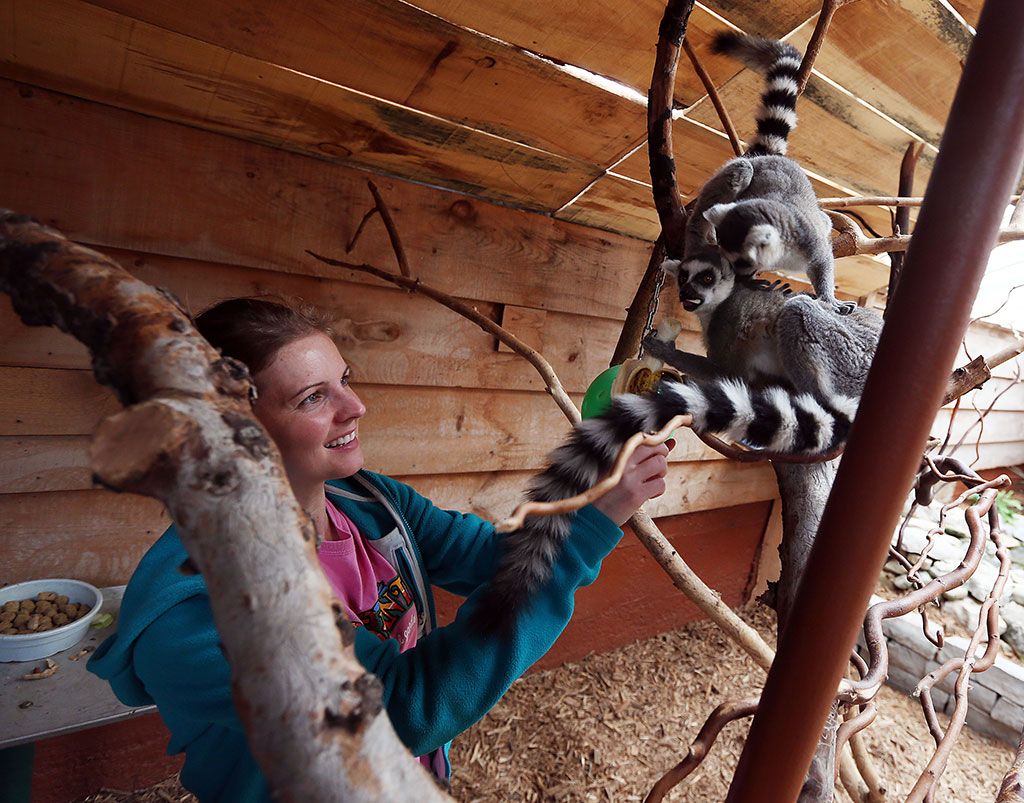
373,593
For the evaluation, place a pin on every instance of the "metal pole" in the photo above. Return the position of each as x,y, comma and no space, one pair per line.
980,160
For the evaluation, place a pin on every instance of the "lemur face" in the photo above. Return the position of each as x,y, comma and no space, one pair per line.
704,282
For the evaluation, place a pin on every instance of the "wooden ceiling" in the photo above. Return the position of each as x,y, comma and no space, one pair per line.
473,96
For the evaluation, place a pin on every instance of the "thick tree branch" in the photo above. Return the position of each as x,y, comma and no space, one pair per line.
312,714
660,105
645,299
848,239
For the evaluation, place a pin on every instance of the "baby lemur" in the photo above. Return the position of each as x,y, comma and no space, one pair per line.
806,408
759,211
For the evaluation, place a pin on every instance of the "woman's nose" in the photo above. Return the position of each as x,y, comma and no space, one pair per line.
349,406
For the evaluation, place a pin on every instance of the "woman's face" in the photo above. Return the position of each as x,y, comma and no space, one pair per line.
305,403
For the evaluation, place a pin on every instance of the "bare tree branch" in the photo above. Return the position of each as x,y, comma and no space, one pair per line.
988,625
725,713
828,10
1012,788
849,240
716,99
660,105
552,383
844,202
645,298
569,504
901,224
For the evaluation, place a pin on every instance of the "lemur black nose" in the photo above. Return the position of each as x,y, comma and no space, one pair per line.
741,263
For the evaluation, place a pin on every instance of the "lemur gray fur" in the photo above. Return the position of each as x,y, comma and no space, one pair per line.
760,414
752,332
759,211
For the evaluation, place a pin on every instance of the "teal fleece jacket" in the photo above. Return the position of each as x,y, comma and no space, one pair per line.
167,651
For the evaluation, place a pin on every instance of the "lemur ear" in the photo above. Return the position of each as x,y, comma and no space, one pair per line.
671,267
716,214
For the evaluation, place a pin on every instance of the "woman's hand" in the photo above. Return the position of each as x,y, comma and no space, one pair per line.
643,479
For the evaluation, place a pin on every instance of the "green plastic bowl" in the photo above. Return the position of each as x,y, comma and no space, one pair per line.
598,397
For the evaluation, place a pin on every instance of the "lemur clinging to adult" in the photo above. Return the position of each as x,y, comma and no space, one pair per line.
759,211
751,332
762,415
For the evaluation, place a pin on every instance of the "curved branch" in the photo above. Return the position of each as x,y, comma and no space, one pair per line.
969,664
863,690
725,713
814,44
660,104
312,714
1012,788
716,99
568,505
551,381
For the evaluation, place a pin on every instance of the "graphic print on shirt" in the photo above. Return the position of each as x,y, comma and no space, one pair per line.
393,600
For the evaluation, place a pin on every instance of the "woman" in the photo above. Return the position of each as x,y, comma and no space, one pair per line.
381,546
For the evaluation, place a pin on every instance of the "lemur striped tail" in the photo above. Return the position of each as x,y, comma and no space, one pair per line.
781,65
770,418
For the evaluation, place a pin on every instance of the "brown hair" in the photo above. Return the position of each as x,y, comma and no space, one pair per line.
253,329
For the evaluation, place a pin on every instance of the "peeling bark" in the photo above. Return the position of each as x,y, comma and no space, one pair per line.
313,716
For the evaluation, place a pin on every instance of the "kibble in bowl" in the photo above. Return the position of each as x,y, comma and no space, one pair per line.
42,617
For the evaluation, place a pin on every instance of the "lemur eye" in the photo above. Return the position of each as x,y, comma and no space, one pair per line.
706,277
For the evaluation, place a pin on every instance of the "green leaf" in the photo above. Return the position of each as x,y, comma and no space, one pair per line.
102,620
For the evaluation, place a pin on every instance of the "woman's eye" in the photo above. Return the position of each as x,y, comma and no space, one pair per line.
312,398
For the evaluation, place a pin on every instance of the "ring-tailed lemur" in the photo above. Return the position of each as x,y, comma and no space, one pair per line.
763,416
763,335
759,211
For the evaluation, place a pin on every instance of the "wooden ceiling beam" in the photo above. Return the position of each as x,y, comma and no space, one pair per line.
80,49
399,53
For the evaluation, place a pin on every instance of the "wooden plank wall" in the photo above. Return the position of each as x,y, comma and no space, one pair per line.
210,216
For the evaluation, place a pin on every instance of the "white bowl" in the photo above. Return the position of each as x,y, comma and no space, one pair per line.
32,646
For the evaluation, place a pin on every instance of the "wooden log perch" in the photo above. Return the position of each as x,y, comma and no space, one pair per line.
313,716
848,240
